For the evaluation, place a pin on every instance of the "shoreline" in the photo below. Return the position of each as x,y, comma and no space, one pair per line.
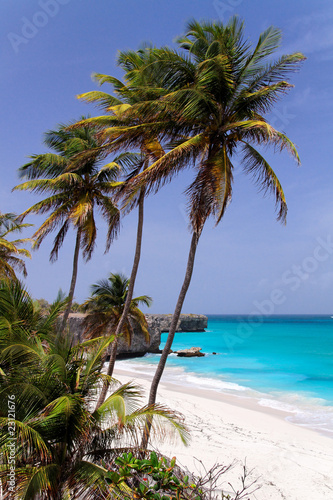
232,399
300,410
292,462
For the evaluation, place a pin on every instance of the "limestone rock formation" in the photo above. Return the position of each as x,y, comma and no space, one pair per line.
157,323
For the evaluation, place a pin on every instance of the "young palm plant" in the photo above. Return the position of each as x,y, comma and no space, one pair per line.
10,251
76,186
104,311
62,445
220,93
20,313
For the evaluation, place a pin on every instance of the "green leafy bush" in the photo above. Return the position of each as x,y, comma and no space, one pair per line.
153,478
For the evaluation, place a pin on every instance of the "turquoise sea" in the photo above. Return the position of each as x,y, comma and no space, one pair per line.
284,362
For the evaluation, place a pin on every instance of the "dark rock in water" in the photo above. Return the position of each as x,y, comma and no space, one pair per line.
190,353
213,352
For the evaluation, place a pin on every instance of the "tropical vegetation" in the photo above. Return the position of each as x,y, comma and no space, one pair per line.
48,392
213,101
104,310
220,94
10,251
76,186
140,87
204,106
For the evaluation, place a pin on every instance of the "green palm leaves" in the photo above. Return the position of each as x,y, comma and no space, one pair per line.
10,251
203,106
214,108
106,305
106,314
62,444
76,186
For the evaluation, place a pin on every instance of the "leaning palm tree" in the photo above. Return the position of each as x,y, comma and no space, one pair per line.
140,87
10,251
220,92
62,444
77,185
105,309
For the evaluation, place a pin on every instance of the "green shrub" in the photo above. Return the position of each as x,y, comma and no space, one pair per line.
153,478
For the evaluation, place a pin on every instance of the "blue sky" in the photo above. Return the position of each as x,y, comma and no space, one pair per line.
249,263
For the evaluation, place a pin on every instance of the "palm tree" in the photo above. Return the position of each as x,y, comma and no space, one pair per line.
19,311
220,92
76,186
20,319
9,250
105,309
62,445
139,88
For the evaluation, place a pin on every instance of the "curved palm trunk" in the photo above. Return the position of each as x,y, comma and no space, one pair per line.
172,331
113,355
128,297
73,282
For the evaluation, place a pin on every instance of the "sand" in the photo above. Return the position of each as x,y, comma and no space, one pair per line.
289,461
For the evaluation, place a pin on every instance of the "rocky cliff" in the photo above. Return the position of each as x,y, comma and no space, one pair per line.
157,323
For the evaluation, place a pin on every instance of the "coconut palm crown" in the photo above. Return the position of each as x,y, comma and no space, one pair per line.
76,185
105,315
105,306
220,92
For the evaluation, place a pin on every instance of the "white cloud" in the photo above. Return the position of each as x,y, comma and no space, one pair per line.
315,34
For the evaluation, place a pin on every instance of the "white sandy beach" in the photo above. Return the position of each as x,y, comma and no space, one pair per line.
290,462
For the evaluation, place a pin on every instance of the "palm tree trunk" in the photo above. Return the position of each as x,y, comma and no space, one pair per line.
172,331
130,291
106,385
73,282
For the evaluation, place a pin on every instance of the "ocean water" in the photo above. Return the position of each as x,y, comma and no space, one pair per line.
284,362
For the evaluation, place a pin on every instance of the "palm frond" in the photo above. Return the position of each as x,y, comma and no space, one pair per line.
44,165
40,481
258,167
163,169
101,99
58,241
25,433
